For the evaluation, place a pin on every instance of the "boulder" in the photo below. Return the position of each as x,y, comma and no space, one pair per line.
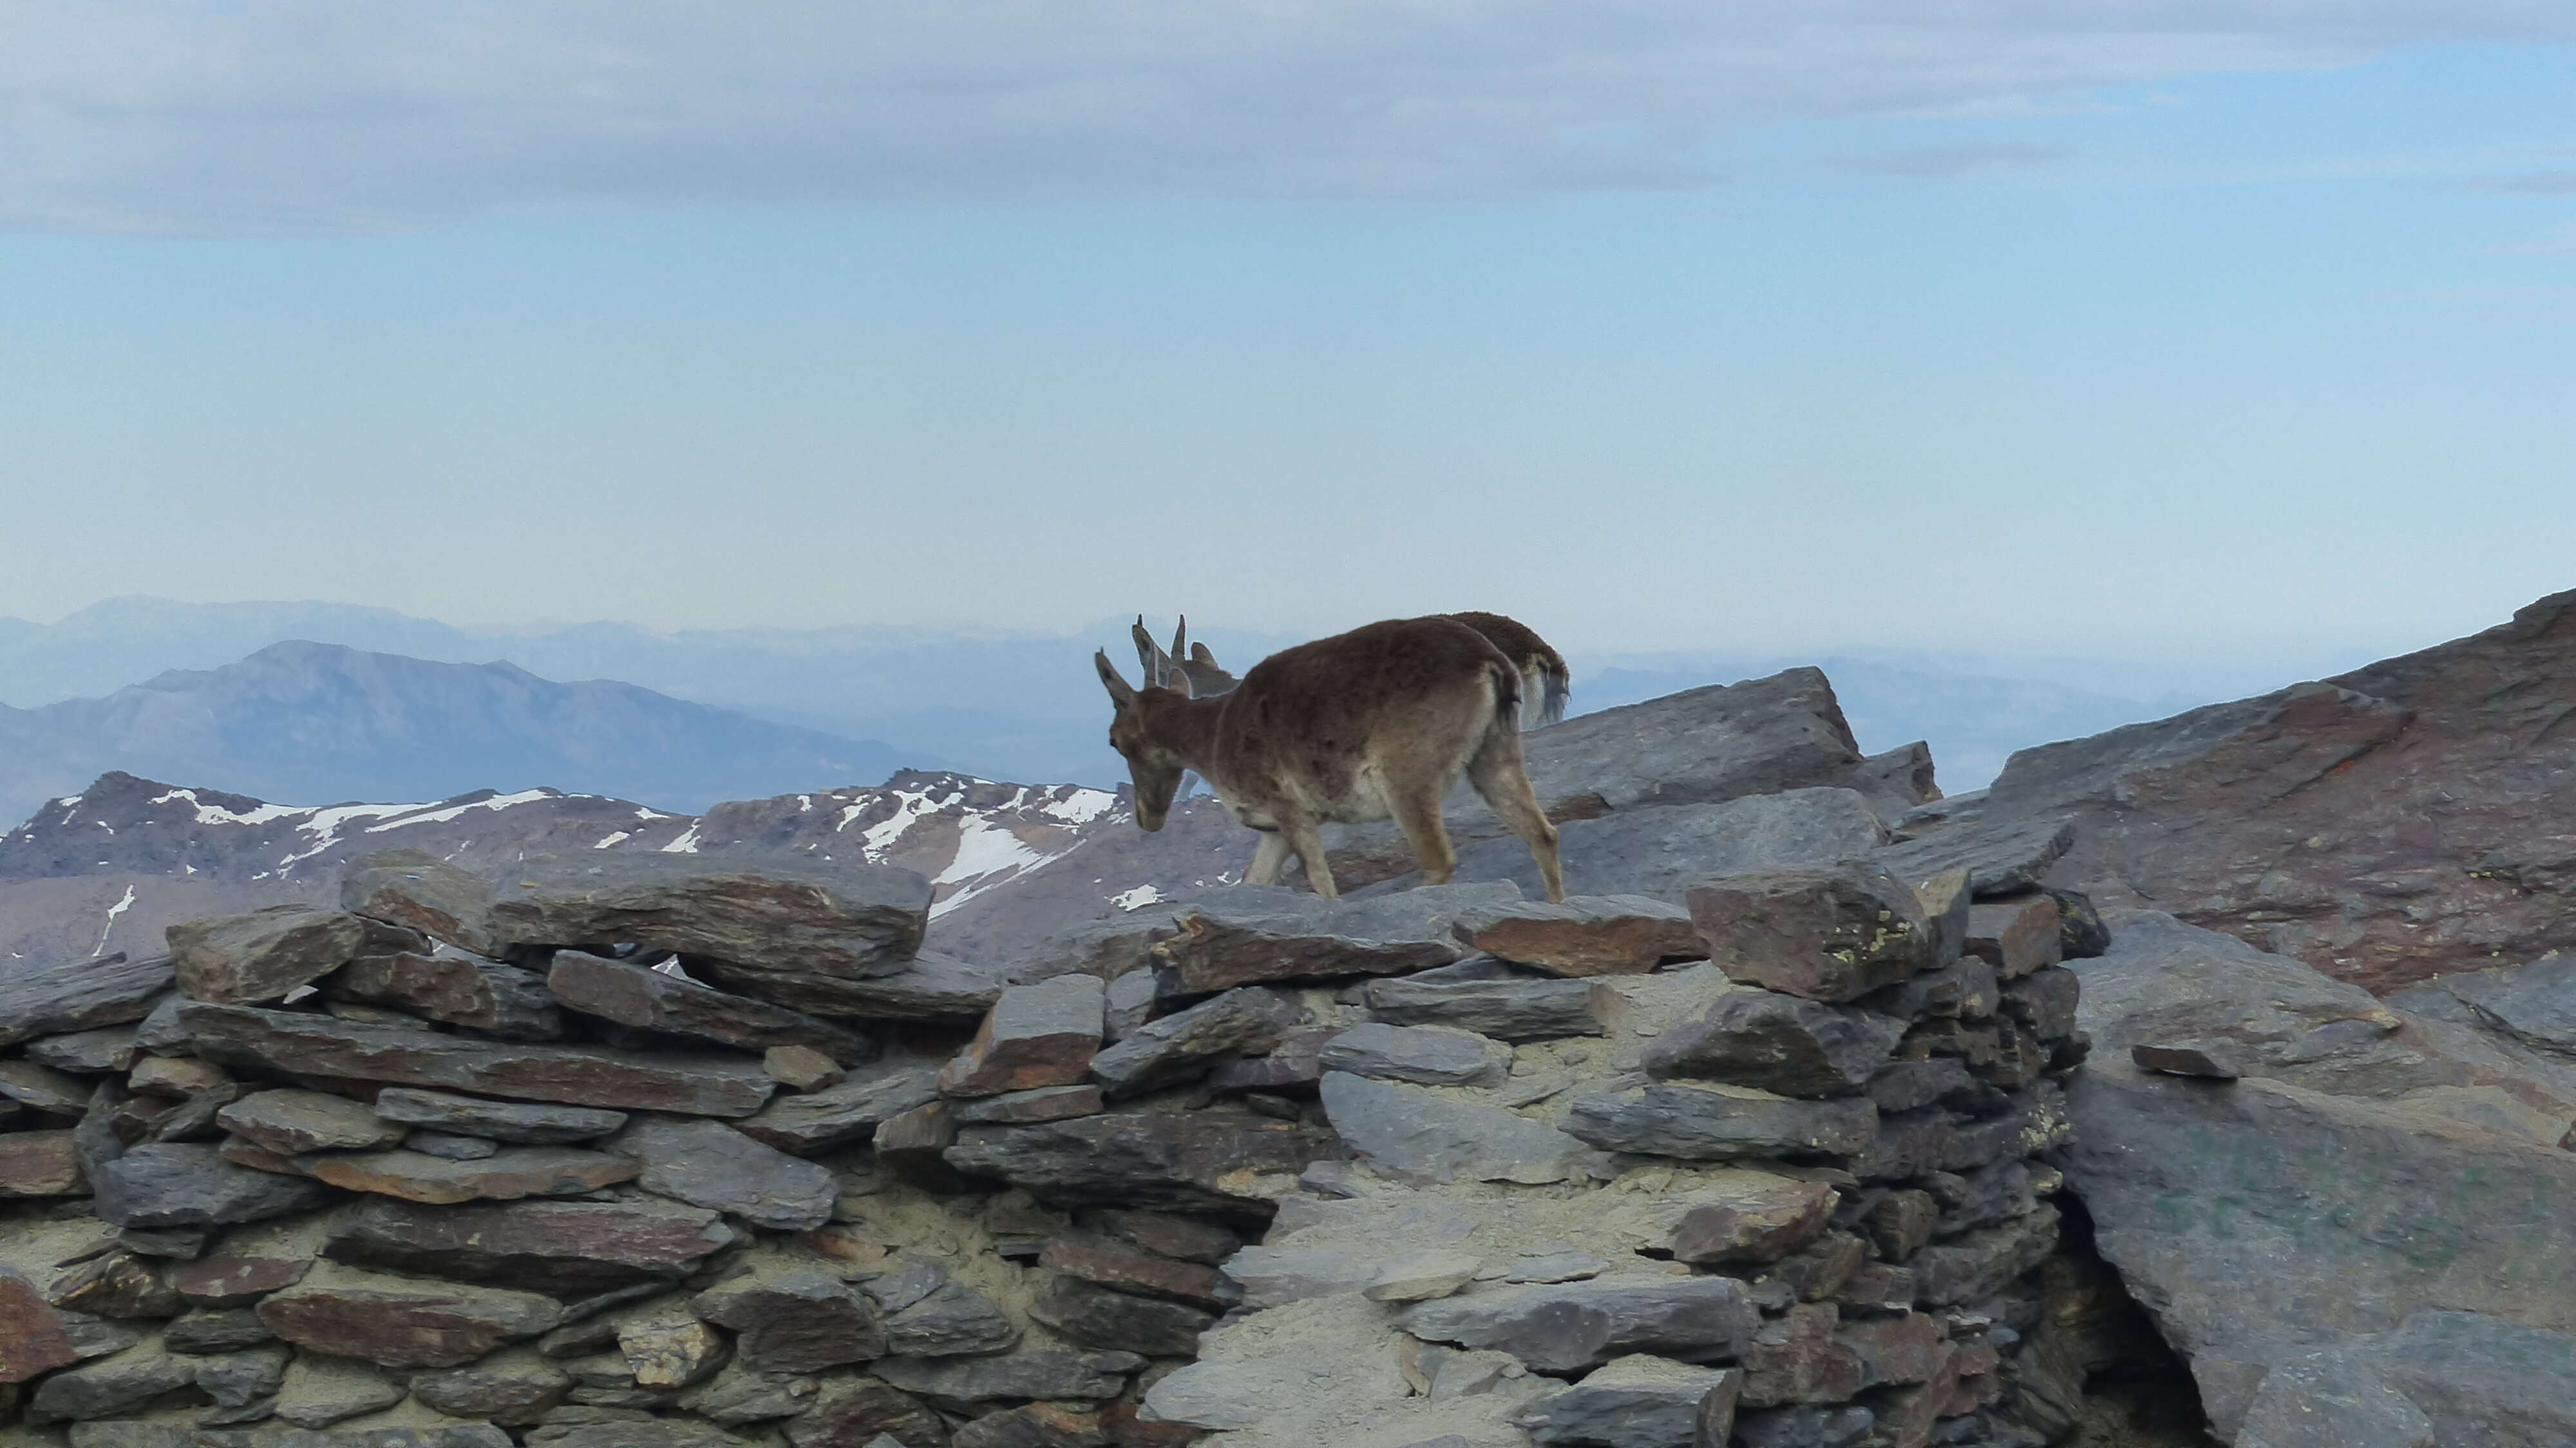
1721,1123
1423,1055
1035,1035
801,1068
1754,1224
190,1185
78,995
297,1043
1207,1161
1586,935
291,1122
1827,933
1580,1325
1421,1276
2001,856
1638,1401
793,1320
462,990
1241,1022
1416,1135
1221,943
842,1115
237,959
667,1346
1500,1003
708,1164
770,927
1779,1043
2016,936
529,1123
1661,851
566,1249
402,1322
421,892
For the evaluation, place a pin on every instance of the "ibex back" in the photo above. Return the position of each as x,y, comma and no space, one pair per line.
1368,725
1545,682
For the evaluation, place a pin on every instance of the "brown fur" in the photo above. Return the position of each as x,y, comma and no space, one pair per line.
1541,667
1367,725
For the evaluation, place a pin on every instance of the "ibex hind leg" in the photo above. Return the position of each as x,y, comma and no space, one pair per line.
1267,859
1307,839
1498,775
1417,813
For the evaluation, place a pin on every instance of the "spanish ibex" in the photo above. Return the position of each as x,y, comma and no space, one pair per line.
1542,668
1367,725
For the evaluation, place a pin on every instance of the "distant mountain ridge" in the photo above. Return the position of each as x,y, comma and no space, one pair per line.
311,721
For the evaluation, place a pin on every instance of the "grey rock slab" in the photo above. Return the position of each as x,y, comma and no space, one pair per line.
92,1053
631,995
1828,933
53,1092
79,995
2479,1379
1803,1427
1513,1008
1586,934
1222,943
190,1185
1720,1123
460,989
1423,1055
842,1115
451,1147
702,1084
1036,1035
950,1320
215,1330
1204,1161
2328,1402
566,1249
932,987
111,1385
1660,852
1240,1022
1639,1401
1096,1317
775,923
319,1391
1045,1103
796,1320
402,1322
708,1164
237,959
520,1171
1049,1375
424,893
531,1124
1782,1044
2002,856
290,1121
1414,1134
1581,1325
238,1379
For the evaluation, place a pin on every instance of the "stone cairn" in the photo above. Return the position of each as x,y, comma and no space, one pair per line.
659,1151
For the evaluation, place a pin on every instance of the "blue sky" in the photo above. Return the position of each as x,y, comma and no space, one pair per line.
2161,330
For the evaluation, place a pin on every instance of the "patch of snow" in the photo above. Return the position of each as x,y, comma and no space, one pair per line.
1080,807
613,839
686,844
646,814
213,814
119,908
102,824
804,803
457,811
1136,899
987,855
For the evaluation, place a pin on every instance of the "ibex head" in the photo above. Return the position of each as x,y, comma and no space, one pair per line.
1154,765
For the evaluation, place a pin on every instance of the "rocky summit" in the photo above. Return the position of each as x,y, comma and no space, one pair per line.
1824,1113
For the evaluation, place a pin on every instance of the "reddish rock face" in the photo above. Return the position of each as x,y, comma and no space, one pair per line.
32,1340
40,1164
2402,821
401,1322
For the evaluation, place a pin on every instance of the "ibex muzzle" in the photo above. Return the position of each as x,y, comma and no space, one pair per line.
1373,724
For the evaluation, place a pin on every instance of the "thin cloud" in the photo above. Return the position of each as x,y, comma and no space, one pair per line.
1935,162
304,116
2562,244
2529,183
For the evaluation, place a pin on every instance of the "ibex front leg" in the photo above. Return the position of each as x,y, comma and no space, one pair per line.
1307,839
1267,859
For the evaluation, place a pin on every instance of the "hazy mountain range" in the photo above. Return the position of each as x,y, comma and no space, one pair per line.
780,709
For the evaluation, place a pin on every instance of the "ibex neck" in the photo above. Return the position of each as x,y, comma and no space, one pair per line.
1188,727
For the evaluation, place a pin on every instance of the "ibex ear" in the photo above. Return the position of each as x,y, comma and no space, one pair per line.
1119,693
1199,655
1178,681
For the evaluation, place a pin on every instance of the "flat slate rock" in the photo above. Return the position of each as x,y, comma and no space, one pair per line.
1506,1006
191,1185
296,1042
1418,1135
1035,1035
772,923
535,1124
1221,943
1778,1043
1638,1401
291,1121
79,995
841,1115
41,1164
43,1088
402,1322
237,959
931,987
462,990
32,1336
1423,1055
1246,1021
794,1320
708,1164
521,1171
632,995
1828,933
2002,857
1586,935
1714,1123
566,1249
1051,1375
421,892
1046,1103
1205,1161
1578,1325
